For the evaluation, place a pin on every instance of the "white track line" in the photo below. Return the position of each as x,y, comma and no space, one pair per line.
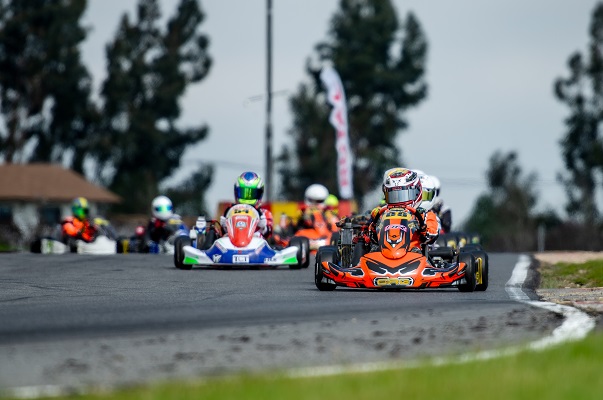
575,326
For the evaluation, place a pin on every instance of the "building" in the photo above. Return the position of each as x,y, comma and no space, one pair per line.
35,195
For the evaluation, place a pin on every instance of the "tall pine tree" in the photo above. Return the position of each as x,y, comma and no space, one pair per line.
505,217
149,70
382,65
582,146
44,87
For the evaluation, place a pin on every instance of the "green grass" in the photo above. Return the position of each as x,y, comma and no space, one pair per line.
561,275
570,371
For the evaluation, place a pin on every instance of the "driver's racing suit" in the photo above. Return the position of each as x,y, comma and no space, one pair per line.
74,228
426,234
265,224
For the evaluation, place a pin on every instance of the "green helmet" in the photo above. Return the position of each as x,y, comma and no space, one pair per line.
332,201
249,188
80,209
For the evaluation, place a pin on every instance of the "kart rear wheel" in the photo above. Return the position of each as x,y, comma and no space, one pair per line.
325,253
179,243
334,239
470,271
481,258
303,252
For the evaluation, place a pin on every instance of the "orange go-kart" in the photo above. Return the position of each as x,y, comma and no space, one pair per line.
395,265
318,234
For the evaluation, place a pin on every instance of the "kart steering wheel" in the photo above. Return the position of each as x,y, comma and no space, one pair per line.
419,216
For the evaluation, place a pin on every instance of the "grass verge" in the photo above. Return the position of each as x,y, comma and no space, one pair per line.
571,371
566,275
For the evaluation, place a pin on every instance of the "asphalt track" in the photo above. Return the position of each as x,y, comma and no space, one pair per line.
77,320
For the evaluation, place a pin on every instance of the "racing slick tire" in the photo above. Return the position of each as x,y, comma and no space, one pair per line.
470,271
303,252
179,243
325,253
334,239
481,258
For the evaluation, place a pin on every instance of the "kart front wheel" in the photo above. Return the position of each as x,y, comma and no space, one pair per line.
303,252
329,254
179,243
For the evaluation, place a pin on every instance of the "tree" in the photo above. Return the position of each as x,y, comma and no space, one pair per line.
504,217
582,149
44,87
148,71
381,65
188,196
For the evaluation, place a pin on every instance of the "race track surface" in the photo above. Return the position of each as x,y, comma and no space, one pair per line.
77,320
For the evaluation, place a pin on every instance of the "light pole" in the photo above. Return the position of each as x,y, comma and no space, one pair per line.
268,100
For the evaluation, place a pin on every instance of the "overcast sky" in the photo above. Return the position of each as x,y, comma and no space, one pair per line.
491,68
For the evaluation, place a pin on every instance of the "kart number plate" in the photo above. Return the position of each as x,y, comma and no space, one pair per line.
240,259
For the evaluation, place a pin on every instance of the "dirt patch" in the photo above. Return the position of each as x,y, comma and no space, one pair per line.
587,299
554,257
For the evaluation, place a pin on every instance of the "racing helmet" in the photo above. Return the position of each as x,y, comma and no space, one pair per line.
316,195
162,208
332,202
80,208
249,189
436,185
428,196
402,187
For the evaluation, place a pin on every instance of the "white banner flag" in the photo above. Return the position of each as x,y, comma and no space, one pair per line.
339,119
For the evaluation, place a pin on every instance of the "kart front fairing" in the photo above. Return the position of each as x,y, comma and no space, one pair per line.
256,253
411,271
396,264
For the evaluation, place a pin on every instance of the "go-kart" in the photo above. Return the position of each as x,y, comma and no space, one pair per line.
138,243
241,246
104,242
394,264
318,234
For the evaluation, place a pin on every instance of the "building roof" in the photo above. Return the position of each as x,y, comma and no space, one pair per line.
48,182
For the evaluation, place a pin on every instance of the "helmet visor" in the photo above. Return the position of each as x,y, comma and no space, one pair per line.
402,195
163,208
243,194
428,195
81,212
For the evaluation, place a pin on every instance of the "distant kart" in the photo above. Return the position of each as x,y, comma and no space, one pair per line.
105,242
240,247
138,243
395,265
318,234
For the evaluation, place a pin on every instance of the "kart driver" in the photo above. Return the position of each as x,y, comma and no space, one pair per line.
443,211
249,189
315,198
332,210
159,227
78,225
403,190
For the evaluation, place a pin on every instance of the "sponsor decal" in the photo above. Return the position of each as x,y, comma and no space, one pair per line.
387,281
241,224
272,259
396,226
240,259
216,258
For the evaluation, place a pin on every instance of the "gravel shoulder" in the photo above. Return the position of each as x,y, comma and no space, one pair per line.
587,299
